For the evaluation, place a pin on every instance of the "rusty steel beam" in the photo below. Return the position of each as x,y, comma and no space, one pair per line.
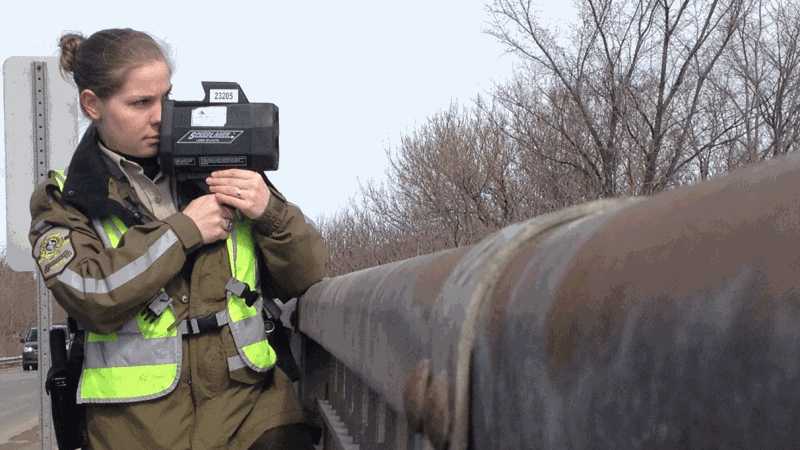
671,321
398,325
376,320
669,324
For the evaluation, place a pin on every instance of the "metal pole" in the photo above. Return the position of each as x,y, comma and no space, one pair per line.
44,298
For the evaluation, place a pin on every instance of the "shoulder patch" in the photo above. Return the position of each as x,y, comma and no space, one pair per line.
53,251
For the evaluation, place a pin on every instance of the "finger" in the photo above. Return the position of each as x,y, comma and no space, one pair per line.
228,201
237,174
223,181
227,190
237,192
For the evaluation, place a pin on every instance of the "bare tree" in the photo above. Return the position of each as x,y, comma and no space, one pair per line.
19,305
450,182
643,96
456,176
764,65
631,83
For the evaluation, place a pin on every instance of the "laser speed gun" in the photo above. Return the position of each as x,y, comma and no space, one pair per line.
223,131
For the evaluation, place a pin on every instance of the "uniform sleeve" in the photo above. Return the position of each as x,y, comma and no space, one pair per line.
293,249
101,287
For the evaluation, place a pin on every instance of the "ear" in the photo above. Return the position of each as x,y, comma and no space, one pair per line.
91,104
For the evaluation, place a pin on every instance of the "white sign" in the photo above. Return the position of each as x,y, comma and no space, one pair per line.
62,128
210,116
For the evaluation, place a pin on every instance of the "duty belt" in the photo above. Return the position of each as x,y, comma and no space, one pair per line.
213,321
209,322
193,326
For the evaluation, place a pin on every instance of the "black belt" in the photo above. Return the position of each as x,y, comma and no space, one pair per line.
203,324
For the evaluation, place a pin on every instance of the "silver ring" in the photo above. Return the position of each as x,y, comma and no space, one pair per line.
228,225
239,193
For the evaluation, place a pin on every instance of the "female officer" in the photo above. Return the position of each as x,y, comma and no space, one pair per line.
174,357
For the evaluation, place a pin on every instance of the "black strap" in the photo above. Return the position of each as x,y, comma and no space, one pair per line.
199,325
73,326
135,213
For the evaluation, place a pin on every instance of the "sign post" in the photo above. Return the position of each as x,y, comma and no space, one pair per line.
41,132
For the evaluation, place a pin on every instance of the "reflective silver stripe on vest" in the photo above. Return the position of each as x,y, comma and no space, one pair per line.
125,274
236,363
250,330
129,352
234,244
114,227
61,180
98,228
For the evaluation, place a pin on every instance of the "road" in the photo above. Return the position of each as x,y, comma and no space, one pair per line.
19,415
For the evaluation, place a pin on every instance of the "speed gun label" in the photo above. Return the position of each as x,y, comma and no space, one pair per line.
224,95
210,137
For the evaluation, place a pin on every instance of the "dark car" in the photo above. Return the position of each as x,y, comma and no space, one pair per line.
30,349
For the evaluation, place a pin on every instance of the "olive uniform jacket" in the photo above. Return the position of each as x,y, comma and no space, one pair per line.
102,288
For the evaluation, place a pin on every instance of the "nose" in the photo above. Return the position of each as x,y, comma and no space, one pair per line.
156,118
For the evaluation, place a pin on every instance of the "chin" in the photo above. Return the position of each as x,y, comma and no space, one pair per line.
150,151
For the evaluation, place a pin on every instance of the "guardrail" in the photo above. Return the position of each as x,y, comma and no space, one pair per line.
10,361
385,352
670,322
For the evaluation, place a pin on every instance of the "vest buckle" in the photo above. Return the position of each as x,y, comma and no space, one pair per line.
156,307
241,290
199,325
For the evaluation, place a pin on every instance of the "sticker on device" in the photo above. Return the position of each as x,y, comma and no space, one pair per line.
210,137
223,96
210,116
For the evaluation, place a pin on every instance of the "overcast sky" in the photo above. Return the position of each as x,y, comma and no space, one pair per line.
350,77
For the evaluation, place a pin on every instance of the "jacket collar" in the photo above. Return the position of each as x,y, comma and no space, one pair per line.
87,185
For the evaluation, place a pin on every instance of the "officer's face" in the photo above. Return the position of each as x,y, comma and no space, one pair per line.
129,120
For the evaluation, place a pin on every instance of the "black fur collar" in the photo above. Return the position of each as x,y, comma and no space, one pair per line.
87,182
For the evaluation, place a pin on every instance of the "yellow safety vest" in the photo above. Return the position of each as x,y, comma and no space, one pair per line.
141,359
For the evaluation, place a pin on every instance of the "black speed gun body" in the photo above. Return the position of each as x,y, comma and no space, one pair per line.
223,131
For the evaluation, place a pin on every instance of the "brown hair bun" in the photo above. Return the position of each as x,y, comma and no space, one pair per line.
102,61
69,43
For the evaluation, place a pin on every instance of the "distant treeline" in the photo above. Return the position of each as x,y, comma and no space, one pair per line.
18,311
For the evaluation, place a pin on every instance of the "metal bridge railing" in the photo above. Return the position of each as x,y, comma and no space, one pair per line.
666,322
385,352
353,415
